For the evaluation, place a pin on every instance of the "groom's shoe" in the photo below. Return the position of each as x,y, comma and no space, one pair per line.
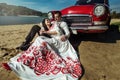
24,46
6,66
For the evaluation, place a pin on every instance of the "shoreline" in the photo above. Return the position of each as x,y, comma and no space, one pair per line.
2,25
23,16
28,16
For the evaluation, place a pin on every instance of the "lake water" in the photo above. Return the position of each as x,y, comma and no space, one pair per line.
13,20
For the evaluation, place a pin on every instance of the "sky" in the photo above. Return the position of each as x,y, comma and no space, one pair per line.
48,5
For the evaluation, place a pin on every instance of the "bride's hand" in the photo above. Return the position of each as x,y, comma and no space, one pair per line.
63,38
41,32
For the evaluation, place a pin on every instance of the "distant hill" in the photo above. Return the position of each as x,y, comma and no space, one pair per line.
12,10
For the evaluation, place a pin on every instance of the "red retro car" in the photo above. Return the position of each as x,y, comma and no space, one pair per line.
87,16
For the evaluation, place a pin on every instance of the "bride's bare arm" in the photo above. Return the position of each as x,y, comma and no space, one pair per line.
51,32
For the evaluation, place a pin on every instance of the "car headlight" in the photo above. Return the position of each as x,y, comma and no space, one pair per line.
99,10
50,16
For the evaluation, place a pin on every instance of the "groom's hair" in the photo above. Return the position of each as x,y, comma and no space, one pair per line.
58,12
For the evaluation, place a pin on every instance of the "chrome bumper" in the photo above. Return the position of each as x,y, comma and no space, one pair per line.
90,28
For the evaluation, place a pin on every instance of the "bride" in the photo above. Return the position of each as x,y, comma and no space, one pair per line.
48,58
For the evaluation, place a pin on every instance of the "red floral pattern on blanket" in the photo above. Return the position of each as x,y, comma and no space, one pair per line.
46,61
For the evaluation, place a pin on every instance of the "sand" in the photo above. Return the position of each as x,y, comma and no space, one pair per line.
11,36
99,54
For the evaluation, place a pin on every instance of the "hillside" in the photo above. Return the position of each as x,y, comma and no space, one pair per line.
12,10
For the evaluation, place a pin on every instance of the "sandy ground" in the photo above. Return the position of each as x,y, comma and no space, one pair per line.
115,20
99,53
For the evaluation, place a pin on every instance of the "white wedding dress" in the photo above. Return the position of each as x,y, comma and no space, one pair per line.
48,59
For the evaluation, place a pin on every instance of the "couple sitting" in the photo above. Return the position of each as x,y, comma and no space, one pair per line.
48,58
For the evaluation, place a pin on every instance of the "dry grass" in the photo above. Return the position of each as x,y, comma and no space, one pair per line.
115,20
